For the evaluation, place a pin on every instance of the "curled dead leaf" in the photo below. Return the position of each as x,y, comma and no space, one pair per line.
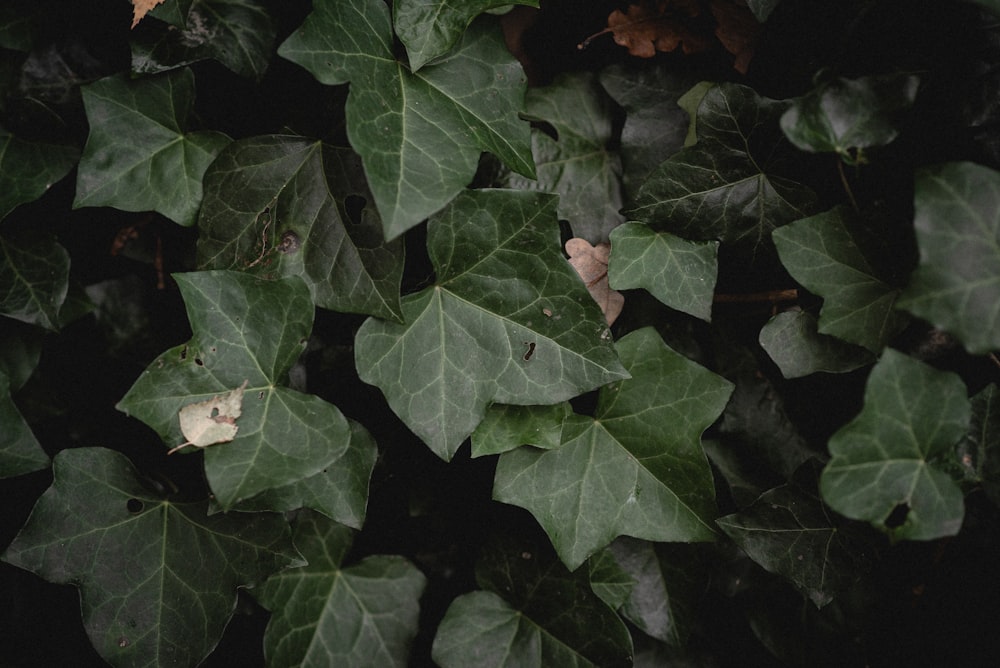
656,25
591,263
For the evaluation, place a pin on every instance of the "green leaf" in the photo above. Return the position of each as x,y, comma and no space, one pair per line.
34,280
419,134
835,257
788,532
793,342
507,427
887,459
20,350
275,206
979,452
325,614
845,115
957,285
237,33
725,186
762,8
502,285
679,273
138,156
578,164
245,329
157,579
689,102
20,451
29,169
608,580
621,472
430,28
18,25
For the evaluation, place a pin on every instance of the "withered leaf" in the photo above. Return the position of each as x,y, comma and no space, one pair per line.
660,25
737,29
591,262
140,8
212,421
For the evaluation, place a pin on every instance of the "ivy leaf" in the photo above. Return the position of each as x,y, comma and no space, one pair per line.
29,169
237,33
34,280
507,427
18,25
678,272
430,28
886,461
578,164
957,284
419,134
277,206
833,256
726,185
20,451
762,8
621,473
980,450
609,580
324,614
845,115
508,321
138,156
793,342
157,579
254,330
788,532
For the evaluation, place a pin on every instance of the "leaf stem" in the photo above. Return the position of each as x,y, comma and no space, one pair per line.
847,186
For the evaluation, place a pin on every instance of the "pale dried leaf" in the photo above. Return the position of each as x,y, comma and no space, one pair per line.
591,263
213,421
140,8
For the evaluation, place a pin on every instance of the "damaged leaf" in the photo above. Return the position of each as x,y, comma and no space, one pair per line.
591,263
213,421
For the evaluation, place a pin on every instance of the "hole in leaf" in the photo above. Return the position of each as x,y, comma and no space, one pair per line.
134,506
354,206
184,353
197,360
898,516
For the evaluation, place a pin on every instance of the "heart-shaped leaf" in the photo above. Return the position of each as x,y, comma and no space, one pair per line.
245,329
793,342
419,134
157,579
28,169
138,156
534,337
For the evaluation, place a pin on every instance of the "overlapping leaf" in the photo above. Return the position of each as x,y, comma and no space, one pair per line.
324,614
430,28
20,451
579,163
886,466
957,284
833,256
507,427
419,134
979,453
275,206
157,579
245,329
727,185
508,321
34,280
28,169
678,272
624,472
793,342
138,156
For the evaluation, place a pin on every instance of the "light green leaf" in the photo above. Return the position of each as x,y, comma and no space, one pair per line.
622,472
728,185
793,342
835,257
324,614
957,285
578,164
886,461
419,134
245,329
507,427
689,102
157,579
679,273
29,169
430,28
34,280
275,206
20,451
508,321
138,156
237,33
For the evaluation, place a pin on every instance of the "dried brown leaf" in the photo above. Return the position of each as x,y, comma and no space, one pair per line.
664,25
737,29
591,263
140,8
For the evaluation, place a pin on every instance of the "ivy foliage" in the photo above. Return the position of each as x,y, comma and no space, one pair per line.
349,219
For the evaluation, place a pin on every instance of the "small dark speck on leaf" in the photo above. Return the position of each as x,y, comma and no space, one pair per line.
197,360
123,642
134,506
531,350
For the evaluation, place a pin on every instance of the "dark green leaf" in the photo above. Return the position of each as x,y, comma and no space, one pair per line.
237,33
28,169
833,256
174,12
18,24
793,341
845,115
724,187
138,156
275,206
979,453
430,28
622,473
507,427
20,349
157,579
762,8
508,321
419,134
578,164
887,459
34,280
20,451
245,329
957,285
608,580
326,615
679,273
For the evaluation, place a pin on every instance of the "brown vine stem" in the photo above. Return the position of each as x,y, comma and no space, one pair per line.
770,296
993,358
